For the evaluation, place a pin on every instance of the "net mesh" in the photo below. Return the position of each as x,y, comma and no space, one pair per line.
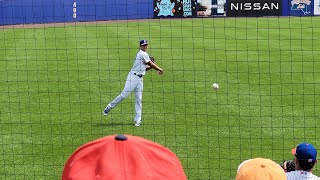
56,79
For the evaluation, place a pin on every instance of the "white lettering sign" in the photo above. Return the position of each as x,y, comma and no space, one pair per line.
254,6
187,9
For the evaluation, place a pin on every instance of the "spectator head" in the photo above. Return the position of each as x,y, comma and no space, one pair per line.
123,157
260,168
305,155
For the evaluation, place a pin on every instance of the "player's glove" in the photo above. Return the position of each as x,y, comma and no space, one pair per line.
288,165
152,59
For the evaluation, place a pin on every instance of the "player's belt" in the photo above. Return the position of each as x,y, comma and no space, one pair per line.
139,75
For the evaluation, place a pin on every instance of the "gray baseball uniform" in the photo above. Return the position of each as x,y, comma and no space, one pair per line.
134,83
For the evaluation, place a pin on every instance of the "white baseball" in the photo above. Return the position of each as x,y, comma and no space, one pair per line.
215,86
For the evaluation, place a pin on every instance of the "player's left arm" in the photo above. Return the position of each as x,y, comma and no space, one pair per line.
148,68
150,65
156,67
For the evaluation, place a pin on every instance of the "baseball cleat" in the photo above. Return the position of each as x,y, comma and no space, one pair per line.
136,123
106,111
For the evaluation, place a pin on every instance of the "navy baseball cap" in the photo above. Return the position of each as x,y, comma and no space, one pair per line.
143,42
305,151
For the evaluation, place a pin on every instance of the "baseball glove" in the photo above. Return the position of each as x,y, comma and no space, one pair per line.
152,59
288,165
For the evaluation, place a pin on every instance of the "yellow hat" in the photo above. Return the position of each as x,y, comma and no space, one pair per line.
260,169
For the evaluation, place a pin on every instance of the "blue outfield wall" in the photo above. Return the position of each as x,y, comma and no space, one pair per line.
48,11
113,10
34,11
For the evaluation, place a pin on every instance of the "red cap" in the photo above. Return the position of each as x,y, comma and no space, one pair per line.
123,157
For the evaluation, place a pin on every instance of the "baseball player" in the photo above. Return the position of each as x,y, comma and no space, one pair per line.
134,82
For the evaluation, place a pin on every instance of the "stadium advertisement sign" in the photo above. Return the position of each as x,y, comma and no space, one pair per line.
316,6
300,7
174,8
207,8
254,8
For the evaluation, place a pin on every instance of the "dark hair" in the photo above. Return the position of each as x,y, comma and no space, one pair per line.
305,165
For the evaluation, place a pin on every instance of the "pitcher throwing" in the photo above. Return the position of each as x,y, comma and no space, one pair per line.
134,82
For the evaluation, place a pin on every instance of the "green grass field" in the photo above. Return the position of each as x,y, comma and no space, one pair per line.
55,82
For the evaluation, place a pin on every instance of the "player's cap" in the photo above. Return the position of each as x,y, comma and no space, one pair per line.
260,168
123,157
305,151
143,42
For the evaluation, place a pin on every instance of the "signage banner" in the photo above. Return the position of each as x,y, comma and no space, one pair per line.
300,7
174,8
316,7
207,8
255,8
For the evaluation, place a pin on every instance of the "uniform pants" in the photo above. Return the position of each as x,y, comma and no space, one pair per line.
133,84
